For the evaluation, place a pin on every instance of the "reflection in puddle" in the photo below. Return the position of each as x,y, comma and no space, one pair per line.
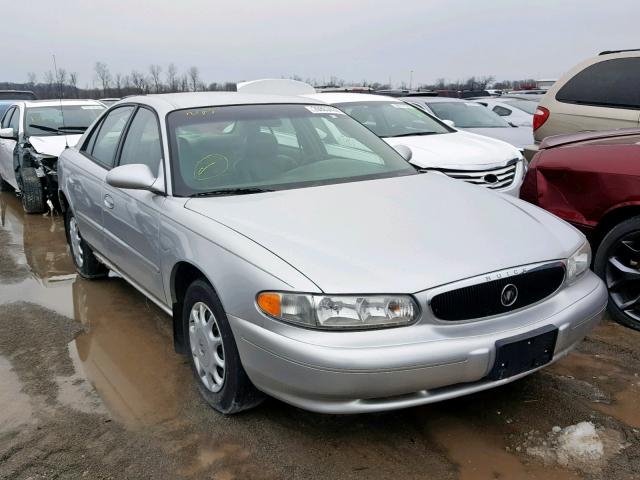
127,352
481,455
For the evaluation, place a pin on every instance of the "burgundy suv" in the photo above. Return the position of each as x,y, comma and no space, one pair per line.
592,180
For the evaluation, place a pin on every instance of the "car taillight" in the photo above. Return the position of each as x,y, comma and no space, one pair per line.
541,116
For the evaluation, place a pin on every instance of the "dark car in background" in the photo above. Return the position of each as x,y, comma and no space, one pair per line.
7,97
592,180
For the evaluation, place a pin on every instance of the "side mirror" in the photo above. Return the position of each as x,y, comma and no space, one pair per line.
8,133
449,123
404,151
133,177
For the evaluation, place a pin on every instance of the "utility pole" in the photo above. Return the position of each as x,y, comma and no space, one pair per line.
410,79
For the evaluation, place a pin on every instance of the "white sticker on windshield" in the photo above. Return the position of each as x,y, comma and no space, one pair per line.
401,105
324,109
91,107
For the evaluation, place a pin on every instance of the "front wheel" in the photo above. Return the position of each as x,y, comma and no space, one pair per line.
31,191
213,353
84,260
618,264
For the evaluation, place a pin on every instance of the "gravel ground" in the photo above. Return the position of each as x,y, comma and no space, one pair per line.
91,388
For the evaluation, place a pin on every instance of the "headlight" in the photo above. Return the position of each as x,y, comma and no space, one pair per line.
579,262
339,311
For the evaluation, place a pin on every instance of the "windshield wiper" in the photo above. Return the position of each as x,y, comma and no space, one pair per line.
56,130
416,134
232,191
67,127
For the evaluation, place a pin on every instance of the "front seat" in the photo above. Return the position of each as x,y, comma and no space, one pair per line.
261,161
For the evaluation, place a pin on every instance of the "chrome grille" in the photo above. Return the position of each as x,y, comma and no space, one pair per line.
494,178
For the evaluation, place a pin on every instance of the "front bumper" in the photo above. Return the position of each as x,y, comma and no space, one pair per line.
355,372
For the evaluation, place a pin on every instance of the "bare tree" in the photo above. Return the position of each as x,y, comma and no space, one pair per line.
184,83
155,71
138,81
31,78
118,82
194,78
104,76
172,78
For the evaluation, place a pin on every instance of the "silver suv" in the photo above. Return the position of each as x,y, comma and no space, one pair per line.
331,275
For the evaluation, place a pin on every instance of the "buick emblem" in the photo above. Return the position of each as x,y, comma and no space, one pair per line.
509,295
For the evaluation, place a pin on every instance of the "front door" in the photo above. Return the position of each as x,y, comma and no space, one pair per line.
132,217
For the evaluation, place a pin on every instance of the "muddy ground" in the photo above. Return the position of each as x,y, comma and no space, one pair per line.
91,388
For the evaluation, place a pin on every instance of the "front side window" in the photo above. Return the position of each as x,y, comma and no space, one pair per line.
392,119
107,138
15,121
142,143
6,120
60,120
502,111
467,114
611,83
273,147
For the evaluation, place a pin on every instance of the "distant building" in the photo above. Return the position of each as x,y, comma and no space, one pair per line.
545,83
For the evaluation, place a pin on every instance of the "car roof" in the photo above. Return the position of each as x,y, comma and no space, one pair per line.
333,98
437,99
166,102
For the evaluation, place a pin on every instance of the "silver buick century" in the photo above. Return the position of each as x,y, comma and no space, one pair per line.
319,267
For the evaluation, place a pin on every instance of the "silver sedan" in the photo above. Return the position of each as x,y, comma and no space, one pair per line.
321,269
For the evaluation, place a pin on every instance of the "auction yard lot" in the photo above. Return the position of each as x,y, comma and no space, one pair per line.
91,388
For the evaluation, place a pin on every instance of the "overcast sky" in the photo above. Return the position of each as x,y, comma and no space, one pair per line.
350,39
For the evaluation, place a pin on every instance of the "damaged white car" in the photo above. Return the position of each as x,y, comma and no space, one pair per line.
33,134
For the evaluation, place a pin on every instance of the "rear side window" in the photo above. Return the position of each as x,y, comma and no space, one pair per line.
503,112
108,136
142,143
611,83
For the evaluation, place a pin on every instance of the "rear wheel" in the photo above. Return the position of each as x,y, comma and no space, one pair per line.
84,260
213,353
31,191
618,264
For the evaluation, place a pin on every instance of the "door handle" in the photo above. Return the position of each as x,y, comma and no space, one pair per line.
108,201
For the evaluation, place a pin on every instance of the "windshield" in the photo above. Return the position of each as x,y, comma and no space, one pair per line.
467,114
524,105
253,148
56,120
392,119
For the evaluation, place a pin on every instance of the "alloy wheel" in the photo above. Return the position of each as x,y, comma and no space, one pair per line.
76,242
623,275
206,347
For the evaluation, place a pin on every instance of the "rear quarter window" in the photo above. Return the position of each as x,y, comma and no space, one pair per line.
610,83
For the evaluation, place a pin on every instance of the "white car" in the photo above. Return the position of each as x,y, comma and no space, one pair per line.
434,144
33,134
517,111
427,142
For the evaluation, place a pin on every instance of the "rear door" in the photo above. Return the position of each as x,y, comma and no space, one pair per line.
132,217
85,174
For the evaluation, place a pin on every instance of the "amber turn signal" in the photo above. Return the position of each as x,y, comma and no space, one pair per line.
269,303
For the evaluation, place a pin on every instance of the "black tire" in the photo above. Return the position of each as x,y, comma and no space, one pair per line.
627,256
31,191
89,267
236,393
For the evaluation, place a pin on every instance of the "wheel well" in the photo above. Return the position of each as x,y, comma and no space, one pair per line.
611,219
64,203
183,275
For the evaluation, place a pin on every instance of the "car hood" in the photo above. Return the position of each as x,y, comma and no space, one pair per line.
458,150
395,235
53,145
519,137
